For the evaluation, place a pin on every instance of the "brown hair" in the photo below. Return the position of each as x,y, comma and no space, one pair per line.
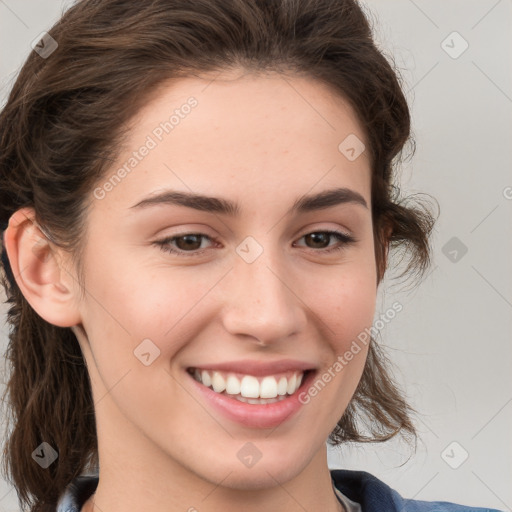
62,125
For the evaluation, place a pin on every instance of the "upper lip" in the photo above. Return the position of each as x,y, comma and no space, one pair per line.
257,368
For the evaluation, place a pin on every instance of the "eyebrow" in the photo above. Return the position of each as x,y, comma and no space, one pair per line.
325,199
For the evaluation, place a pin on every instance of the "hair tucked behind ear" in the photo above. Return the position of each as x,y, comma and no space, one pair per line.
62,126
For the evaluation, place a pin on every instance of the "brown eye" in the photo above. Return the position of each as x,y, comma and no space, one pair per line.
188,244
320,240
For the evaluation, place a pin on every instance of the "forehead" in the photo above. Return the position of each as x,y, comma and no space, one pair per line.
257,133
259,102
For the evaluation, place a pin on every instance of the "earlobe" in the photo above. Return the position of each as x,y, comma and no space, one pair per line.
46,285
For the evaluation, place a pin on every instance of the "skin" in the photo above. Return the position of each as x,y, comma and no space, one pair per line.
263,141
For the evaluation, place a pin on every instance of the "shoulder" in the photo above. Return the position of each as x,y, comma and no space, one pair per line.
374,495
77,493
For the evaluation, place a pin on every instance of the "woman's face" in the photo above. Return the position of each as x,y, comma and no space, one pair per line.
259,292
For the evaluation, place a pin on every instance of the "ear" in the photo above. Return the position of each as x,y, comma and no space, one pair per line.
36,264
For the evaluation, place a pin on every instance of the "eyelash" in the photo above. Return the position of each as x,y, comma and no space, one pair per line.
345,240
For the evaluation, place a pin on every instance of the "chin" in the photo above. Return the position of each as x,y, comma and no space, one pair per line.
263,475
249,481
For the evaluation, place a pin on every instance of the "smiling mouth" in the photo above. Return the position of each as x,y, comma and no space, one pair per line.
249,388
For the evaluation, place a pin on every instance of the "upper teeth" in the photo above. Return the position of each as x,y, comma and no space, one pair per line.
248,385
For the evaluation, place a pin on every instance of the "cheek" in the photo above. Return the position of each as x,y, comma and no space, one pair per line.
136,300
352,309
344,310
131,310
344,300
129,313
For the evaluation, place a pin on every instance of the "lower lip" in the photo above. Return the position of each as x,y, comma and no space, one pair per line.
254,415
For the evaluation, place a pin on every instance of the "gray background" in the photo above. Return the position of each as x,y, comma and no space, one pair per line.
451,343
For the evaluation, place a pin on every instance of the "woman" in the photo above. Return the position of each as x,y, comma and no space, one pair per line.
198,205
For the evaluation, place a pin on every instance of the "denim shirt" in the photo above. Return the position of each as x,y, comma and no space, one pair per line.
375,496
359,487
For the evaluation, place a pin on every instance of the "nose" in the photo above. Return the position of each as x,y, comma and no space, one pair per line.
261,302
